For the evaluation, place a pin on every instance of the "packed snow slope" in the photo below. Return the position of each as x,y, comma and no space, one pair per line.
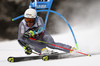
86,27
88,41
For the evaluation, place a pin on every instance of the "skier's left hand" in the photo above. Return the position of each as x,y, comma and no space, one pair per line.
28,50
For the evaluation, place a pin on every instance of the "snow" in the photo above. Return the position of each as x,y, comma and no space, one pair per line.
88,41
86,27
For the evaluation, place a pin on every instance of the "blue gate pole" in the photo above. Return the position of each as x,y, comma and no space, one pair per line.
17,17
47,14
66,22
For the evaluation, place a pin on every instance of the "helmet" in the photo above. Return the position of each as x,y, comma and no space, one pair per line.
30,13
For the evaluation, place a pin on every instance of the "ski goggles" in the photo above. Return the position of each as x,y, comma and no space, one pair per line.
30,20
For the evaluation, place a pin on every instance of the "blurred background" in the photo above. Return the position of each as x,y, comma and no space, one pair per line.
85,12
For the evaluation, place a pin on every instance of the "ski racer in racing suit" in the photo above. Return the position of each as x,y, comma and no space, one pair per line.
33,26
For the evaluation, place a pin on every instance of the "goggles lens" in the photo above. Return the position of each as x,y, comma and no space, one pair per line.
30,20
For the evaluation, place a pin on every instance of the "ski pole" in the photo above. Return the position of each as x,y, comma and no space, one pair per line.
60,47
71,50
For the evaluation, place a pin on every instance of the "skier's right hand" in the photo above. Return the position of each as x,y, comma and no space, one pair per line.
28,50
28,34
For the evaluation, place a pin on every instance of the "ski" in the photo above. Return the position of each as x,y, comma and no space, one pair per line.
27,58
46,57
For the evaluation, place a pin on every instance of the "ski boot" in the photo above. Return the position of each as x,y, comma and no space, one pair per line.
45,51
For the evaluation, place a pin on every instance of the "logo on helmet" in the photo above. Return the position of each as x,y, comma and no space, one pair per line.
29,14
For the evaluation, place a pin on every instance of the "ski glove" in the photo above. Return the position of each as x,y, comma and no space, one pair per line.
28,50
29,34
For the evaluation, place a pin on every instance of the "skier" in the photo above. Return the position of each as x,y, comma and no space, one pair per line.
33,26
